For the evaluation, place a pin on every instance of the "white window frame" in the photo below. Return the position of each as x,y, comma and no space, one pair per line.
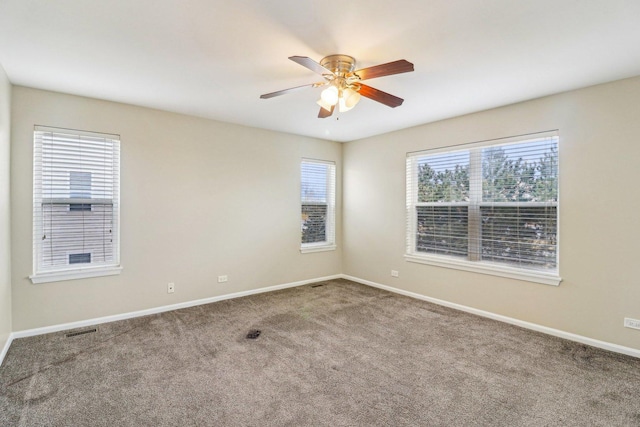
72,271
330,227
483,267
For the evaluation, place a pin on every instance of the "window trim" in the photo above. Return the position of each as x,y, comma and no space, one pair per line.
76,272
317,247
485,268
482,267
330,243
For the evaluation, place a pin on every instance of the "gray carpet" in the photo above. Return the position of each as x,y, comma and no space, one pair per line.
341,354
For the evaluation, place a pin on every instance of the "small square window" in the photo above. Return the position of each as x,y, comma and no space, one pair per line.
80,258
80,207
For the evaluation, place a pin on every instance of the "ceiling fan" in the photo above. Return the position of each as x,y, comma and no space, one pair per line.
343,84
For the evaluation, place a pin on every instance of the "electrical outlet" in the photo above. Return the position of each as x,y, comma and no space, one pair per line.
171,288
394,273
222,279
631,323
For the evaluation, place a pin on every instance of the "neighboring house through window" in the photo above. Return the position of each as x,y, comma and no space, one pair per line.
318,199
76,204
490,207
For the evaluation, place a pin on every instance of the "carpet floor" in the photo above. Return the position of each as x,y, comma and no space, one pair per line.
339,354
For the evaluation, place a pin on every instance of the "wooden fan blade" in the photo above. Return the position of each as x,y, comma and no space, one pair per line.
310,64
395,67
323,114
292,89
380,96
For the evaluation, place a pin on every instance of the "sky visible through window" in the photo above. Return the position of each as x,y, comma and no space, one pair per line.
314,182
529,154
80,185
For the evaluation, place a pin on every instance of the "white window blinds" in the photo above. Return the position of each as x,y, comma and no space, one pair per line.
317,194
493,203
76,200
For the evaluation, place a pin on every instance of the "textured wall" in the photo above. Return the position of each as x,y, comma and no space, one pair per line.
5,223
599,233
199,199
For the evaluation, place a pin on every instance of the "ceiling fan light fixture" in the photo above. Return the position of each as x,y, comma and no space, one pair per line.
330,95
324,104
348,99
342,82
342,106
351,97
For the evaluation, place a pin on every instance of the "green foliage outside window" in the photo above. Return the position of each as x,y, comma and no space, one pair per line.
516,210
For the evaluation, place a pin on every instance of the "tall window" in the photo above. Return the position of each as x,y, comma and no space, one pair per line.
318,200
490,207
75,204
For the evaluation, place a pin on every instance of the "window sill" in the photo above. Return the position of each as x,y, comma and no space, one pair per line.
493,270
317,248
57,276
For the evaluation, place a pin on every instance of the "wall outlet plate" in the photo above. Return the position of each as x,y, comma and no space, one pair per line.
171,287
394,273
631,323
222,279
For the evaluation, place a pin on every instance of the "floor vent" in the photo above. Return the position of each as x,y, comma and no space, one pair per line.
317,286
253,334
75,334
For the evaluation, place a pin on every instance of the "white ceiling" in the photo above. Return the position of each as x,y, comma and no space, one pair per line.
213,59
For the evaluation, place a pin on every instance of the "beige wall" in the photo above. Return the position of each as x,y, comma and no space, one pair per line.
599,227
5,223
191,211
199,198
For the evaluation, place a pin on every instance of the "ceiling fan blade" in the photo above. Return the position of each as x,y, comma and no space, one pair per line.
395,67
323,114
309,63
380,96
292,89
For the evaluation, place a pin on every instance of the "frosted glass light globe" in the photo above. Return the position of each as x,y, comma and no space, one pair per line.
351,98
330,95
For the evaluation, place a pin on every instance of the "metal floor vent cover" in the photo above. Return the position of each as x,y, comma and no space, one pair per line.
253,334
75,334
318,285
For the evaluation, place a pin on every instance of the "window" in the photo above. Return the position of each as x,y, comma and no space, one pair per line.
489,207
75,204
318,200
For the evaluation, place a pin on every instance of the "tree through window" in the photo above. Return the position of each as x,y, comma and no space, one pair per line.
489,203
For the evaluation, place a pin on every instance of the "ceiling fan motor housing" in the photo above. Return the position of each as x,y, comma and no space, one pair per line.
340,64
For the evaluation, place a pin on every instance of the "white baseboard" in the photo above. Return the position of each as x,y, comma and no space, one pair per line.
527,325
7,344
535,327
155,310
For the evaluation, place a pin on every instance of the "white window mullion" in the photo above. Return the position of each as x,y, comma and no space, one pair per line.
475,197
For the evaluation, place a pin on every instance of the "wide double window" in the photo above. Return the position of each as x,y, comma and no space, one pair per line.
318,205
489,207
75,204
